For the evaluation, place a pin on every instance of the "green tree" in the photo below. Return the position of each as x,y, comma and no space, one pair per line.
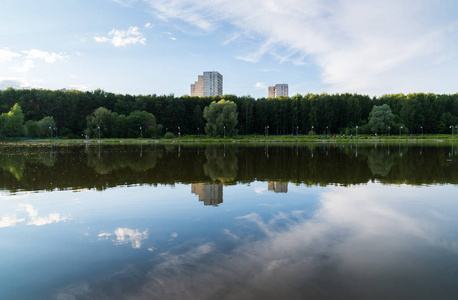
12,123
221,116
44,124
380,118
33,128
100,118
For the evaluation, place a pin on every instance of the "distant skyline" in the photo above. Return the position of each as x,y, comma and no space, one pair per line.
159,46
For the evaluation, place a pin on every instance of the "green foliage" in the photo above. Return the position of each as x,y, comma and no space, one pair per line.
12,123
340,112
32,128
47,125
380,118
221,118
169,135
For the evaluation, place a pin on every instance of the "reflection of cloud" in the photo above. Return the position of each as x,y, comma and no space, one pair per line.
357,242
127,235
40,221
32,219
174,235
10,220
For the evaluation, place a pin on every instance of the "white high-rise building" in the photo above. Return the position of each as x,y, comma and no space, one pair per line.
278,90
208,85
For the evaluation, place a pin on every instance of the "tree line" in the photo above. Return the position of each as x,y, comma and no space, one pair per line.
72,112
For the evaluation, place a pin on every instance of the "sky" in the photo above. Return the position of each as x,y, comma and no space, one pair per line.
160,46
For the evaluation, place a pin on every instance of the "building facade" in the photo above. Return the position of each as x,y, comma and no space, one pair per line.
278,90
208,85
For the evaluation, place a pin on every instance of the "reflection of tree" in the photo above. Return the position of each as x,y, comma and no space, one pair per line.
14,159
105,160
380,162
221,164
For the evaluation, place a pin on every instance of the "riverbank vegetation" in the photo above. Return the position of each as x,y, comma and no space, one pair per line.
75,114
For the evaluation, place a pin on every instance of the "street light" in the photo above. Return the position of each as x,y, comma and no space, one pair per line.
327,130
141,132
356,131
297,130
197,130
99,131
421,130
453,127
312,131
389,131
224,131
267,131
400,128
179,132
50,129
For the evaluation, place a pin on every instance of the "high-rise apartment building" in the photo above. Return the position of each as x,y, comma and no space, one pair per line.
278,90
208,85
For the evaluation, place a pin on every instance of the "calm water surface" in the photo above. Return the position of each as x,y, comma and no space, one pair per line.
150,221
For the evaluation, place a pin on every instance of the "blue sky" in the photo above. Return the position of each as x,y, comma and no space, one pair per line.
160,46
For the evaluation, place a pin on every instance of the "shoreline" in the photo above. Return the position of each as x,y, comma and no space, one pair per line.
282,140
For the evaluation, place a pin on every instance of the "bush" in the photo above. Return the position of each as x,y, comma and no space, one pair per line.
169,135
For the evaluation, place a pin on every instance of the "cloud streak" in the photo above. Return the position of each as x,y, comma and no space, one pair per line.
371,47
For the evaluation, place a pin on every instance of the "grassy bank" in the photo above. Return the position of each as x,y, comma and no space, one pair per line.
254,139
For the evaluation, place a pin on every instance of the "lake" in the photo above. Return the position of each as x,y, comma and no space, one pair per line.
198,221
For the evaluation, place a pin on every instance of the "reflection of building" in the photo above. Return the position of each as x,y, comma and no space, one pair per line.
278,90
210,194
277,187
208,85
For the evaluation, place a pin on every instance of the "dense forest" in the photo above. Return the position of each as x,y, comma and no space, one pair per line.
338,113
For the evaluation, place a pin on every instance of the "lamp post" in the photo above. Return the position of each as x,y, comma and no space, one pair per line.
327,130
50,130
389,131
267,131
197,130
98,127
312,131
297,130
400,129
356,131
141,132
453,127
179,132
224,132
421,131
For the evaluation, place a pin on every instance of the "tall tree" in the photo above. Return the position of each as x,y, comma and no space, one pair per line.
221,118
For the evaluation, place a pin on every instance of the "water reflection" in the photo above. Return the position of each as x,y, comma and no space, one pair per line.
277,187
209,194
102,166
360,243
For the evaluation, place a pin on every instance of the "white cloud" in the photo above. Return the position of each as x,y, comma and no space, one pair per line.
17,83
121,38
367,47
7,55
49,57
126,236
260,85
24,67
80,87
173,38
149,25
